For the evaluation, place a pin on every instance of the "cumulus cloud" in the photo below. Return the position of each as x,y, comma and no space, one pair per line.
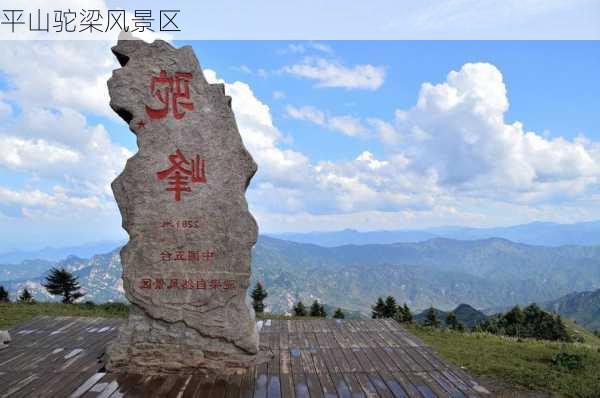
458,129
308,113
346,124
261,137
331,74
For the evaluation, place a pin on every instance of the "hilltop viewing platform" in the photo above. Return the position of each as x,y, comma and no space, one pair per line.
63,357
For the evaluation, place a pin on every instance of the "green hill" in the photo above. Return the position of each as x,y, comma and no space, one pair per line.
583,307
465,314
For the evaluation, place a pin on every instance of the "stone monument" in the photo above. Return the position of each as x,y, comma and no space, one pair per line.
186,267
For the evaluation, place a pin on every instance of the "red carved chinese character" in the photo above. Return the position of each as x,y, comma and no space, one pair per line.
180,255
208,255
165,256
170,90
159,283
173,284
146,284
214,284
229,284
187,284
167,224
201,284
178,173
193,256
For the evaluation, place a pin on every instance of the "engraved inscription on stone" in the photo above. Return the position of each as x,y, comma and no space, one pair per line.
186,266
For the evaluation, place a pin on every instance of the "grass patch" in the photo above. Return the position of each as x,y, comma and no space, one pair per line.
526,364
12,314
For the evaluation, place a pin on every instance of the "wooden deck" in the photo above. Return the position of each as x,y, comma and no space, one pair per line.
61,357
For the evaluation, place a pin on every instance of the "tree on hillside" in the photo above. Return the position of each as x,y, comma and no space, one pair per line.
299,309
530,322
322,312
316,309
258,295
453,323
339,314
431,318
4,295
378,309
390,308
26,297
61,282
403,314
406,314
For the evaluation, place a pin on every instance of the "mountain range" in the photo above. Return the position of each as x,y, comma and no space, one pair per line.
535,233
465,314
439,272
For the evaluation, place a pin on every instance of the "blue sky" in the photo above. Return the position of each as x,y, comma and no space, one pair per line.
360,134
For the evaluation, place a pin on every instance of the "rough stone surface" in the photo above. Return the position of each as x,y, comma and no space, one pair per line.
186,267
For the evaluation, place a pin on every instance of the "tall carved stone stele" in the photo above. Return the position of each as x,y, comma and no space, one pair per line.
186,267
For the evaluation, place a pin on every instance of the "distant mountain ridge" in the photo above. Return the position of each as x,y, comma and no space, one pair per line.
465,314
583,307
439,272
58,253
535,233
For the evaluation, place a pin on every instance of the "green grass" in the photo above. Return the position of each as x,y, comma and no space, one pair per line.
522,364
12,314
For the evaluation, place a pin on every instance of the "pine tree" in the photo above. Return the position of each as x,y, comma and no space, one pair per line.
4,295
61,282
390,307
26,297
339,314
453,323
315,309
378,309
406,314
403,315
322,312
258,295
431,319
299,309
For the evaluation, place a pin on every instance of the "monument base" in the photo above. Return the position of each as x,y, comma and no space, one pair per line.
151,346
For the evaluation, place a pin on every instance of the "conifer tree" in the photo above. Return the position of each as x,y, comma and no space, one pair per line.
406,314
300,309
453,322
61,282
315,309
431,319
26,297
258,295
339,314
4,295
390,307
378,309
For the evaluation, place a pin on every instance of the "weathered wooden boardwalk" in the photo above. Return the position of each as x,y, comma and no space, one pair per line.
61,357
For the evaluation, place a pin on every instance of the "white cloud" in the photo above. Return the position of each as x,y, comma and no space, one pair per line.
308,113
277,94
5,108
261,137
346,124
69,74
330,74
458,129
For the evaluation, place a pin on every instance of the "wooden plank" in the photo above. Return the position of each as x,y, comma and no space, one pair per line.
247,386
233,387
218,389
260,381
382,389
397,388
